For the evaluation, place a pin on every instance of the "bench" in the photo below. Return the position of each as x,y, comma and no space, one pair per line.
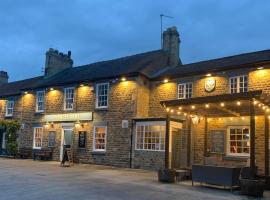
24,153
216,175
42,154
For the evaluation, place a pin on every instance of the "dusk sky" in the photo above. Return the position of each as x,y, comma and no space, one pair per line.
105,29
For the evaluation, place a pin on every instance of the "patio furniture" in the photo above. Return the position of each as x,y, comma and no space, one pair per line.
42,154
251,186
182,174
216,175
24,153
166,175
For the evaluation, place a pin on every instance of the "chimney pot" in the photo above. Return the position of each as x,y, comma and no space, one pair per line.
3,77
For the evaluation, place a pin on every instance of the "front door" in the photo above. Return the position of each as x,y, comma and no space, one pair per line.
3,142
66,139
179,148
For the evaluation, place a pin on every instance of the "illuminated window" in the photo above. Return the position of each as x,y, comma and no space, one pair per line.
40,101
37,140
185,90
102,93
9,108
150,136
100,133
69,99
238,141
239,84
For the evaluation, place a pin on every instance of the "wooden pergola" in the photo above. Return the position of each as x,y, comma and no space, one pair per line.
226,105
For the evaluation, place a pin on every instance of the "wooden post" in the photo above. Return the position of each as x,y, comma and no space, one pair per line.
205,136
266,147
188,142
252,139
167,142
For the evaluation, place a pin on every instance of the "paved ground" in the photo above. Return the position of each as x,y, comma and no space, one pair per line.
35,180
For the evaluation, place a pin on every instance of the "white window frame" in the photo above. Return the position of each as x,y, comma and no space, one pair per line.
94,139
66,90
228,151
34,137
150,123
10,106
97,94
237,78
39,100
185,94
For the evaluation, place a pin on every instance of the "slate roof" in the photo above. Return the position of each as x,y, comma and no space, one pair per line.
215,65
15,88
145,64
153,65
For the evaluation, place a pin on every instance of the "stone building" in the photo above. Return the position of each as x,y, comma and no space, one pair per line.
146,110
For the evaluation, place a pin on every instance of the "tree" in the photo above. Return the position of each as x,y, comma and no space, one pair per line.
11,127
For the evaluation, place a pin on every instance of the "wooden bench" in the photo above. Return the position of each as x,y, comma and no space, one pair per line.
42,154
24,153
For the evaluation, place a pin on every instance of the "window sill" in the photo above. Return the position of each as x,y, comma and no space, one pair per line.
101,109
9,116
235,158
98,152
39,113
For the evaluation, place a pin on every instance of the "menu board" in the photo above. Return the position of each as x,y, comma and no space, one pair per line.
82,139
217,141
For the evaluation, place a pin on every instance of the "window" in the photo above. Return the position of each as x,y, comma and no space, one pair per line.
69,99
40,101
184,90
238,141
51,139
37,143
150,136
102,91
100,133
239,84
9,108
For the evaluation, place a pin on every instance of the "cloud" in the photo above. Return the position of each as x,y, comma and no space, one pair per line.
105,29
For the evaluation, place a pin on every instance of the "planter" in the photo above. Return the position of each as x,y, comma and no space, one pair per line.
252,187
166,175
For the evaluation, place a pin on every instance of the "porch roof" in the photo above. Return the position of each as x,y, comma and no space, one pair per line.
225,105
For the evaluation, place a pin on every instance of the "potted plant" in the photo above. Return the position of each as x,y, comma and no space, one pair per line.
166,175
251,185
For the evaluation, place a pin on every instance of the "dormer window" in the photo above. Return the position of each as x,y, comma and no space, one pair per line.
9,108
69,98
239,84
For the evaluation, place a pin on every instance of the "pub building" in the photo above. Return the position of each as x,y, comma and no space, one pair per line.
147,110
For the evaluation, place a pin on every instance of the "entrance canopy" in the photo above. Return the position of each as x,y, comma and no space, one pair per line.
225,105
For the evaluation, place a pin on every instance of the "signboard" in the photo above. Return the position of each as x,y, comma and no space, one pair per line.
124,123
210,85
69,117
82,139
217,141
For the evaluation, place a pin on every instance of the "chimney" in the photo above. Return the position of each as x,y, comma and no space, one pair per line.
171,42
57,61
3,77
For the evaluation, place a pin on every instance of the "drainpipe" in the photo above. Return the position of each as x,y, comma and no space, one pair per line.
131,144
167,142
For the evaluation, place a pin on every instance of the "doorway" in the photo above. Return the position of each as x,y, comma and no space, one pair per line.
179,146
3,142
66,139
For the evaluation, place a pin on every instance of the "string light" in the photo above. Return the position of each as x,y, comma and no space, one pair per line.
242,118
165,80
167,109
222,104
180,108
178,113
238,103
123,79
207,105
185,114
231,118
172,111
255,102
192,107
